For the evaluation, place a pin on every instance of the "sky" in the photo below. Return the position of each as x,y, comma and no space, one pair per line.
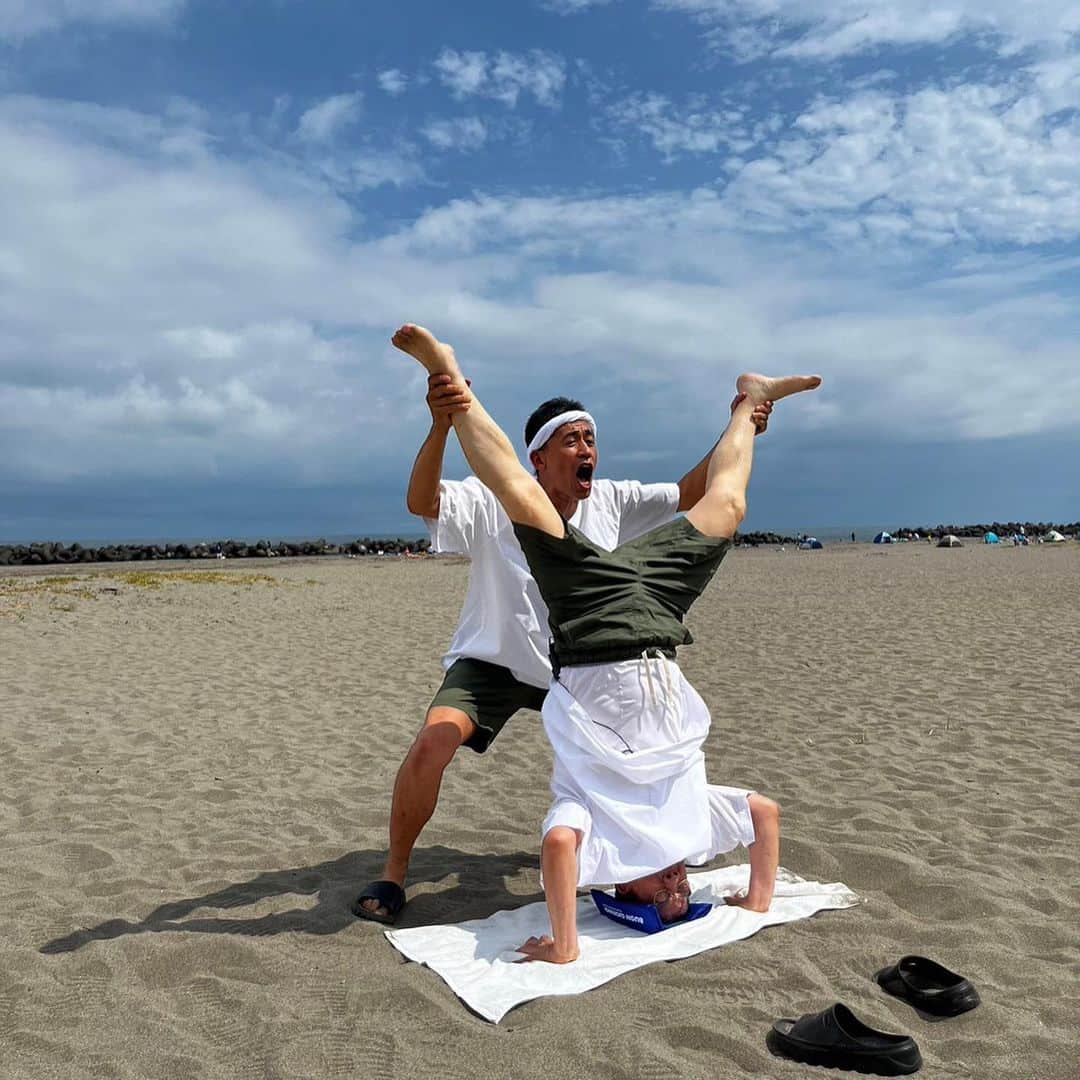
214,213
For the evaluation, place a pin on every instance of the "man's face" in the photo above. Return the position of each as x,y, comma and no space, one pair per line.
566,462
676,905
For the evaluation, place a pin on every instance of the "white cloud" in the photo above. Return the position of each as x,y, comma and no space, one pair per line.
826,29
503,77
464,73
972,162
21,19
681,301
174,315
464,133
393,81
694,130
324,121
191,288
349,170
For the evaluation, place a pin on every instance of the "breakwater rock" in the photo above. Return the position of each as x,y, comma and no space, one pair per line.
42,554
753,539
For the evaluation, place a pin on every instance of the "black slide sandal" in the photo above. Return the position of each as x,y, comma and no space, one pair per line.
836,1038
389,894
929,986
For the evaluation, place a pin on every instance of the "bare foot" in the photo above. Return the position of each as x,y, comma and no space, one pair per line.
375,908
543,948
423,345
761,388
743,900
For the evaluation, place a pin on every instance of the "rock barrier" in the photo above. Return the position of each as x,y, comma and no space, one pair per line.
42,554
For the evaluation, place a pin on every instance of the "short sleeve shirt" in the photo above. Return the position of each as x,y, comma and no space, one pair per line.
503,620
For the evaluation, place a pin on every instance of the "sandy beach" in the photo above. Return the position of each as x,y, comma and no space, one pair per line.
197,769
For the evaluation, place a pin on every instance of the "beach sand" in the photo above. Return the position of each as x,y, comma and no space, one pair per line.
196,778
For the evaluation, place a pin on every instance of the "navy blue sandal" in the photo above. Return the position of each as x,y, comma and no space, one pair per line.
389,895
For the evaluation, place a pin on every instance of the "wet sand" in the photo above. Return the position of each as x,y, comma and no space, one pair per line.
197,774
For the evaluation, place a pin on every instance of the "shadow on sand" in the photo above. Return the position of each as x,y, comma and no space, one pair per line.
480,891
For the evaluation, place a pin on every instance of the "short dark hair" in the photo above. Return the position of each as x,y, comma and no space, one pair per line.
543,413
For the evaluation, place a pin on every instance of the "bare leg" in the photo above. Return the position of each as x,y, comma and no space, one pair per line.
764,856
558,860
720,511
490,454
416,789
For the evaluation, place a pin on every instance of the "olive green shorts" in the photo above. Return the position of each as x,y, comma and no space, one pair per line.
488,695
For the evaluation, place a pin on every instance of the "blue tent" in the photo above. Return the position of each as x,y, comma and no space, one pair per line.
991,538
884,538
810,543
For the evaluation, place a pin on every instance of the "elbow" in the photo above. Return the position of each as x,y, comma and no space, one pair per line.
422,509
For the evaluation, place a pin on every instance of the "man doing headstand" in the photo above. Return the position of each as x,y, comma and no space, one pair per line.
626,728
498,660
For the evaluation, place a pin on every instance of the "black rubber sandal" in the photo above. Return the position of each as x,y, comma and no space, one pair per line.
389,895
929,986
837,1039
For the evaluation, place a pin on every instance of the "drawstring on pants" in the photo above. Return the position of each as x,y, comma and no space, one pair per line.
662,673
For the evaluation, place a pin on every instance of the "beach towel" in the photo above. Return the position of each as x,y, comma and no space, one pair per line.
477,960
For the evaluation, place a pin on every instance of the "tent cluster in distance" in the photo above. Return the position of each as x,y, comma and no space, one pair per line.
1033,530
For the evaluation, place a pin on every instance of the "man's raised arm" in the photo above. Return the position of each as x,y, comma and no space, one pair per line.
692,485
443,399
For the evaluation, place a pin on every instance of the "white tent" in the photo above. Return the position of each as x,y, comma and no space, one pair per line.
949,541
1054,537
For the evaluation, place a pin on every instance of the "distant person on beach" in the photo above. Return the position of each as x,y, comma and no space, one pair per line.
632,804
498,659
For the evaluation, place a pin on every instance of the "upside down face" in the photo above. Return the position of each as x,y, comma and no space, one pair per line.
669,890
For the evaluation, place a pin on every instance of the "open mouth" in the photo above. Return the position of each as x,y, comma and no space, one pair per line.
584,473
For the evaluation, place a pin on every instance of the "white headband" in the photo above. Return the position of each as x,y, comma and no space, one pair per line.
557,422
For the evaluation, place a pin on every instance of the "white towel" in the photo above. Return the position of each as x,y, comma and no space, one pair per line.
478,962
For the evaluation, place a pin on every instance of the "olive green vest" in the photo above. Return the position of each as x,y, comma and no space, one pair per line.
606,606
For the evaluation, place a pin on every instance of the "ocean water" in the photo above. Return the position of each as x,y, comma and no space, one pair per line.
825,533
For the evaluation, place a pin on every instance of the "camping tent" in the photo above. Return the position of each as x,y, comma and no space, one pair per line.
883,538
810,543
1054,537
949,541
991,538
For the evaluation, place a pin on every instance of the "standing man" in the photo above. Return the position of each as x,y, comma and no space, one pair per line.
498,660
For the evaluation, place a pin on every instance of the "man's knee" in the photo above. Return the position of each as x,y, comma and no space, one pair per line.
733,504
764,810
443,733
561,839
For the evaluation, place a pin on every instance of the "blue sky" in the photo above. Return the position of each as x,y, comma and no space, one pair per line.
213,215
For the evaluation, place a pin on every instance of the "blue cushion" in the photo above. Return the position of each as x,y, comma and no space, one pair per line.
643,917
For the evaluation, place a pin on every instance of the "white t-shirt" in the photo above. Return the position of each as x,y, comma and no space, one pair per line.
503,620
